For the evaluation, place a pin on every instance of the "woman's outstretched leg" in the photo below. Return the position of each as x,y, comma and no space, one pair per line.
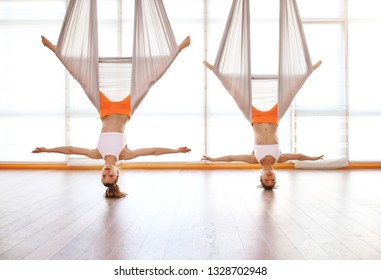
184,43
48,44
208,65
316,65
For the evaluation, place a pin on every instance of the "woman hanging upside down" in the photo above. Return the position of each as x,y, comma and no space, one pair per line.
266,145
112,145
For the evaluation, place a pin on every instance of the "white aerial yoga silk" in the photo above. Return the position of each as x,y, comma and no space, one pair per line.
294,59
233,62
154,49
77,46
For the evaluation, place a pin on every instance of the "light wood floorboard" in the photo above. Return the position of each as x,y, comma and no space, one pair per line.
191,215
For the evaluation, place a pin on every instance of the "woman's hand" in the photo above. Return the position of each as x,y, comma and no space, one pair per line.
206,158
318,158
183,150
40,150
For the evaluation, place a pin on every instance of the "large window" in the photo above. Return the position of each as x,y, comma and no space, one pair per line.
336,113
363,80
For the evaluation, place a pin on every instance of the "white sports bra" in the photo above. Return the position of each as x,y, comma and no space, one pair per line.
111,143
267,150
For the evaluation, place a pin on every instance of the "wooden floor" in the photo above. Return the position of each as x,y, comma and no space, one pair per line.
191,214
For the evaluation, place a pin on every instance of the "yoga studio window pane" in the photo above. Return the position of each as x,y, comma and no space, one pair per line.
229,134
310,139
22,10
364,75
365,138
326,9
20,134
109,28
32,96
325,88
364,80
187,10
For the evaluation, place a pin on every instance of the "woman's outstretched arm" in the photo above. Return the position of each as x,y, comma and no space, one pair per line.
69,150
155,152
299,157
229,158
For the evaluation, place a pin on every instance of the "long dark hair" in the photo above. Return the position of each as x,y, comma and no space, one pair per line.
113,190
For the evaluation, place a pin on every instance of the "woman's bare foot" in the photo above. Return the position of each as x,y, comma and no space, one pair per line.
184,43
48,44
207,64
316,65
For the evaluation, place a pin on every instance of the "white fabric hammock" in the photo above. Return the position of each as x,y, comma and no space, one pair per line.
233,62
154,49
